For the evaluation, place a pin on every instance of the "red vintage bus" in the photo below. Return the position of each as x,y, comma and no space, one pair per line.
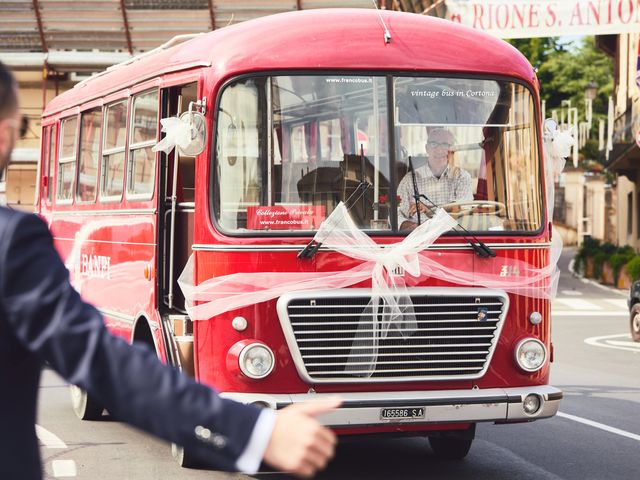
298,116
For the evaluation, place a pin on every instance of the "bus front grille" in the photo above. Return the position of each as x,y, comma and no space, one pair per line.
440,334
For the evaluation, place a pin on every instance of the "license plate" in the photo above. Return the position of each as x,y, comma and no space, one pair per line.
402,413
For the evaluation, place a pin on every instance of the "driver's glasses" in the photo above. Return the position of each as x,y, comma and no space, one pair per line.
438,144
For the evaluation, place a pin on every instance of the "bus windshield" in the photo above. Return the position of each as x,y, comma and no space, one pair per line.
290,148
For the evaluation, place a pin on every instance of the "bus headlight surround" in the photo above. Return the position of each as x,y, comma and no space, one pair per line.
530,354
531,404
256,360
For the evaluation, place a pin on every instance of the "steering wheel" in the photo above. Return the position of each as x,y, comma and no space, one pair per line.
461,209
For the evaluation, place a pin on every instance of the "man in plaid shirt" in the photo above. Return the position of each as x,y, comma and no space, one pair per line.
441,182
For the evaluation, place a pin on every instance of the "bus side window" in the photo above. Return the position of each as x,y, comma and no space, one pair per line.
50,164
90,124
67,160
45,155
113,152
141,173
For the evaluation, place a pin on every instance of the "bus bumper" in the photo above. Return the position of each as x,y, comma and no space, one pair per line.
500,405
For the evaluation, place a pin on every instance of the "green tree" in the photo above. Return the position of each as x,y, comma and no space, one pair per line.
568,73
564,74
537,50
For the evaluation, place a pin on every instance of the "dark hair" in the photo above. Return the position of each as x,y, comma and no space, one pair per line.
8,100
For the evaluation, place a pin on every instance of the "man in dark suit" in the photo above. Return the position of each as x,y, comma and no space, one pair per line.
42,318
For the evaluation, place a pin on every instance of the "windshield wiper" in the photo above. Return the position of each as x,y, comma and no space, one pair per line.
478,246
313,246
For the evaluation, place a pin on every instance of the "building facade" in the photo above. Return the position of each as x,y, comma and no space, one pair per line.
623,154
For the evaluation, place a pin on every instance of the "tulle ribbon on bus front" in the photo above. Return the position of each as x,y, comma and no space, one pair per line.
378,265
390,304
556,148
389,268
338,232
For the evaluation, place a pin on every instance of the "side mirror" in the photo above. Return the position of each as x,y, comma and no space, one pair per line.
550,127
197,127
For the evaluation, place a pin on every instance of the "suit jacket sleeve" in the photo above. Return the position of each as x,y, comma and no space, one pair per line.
49,319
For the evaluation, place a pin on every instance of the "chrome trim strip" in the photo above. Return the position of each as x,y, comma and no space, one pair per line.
382,347
297,248
459,406
114,212
117,315
295,345
108,242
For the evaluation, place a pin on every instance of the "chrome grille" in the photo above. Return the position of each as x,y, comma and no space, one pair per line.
331,335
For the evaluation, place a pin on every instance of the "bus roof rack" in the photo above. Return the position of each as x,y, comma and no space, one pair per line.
177,40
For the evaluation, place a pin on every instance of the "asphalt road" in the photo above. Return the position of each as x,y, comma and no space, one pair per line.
596,436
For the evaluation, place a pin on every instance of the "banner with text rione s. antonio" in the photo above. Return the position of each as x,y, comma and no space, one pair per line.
546,18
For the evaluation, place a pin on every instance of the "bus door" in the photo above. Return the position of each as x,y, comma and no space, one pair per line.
176,232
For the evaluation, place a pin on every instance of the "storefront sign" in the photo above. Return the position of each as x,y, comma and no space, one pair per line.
546,18
285,217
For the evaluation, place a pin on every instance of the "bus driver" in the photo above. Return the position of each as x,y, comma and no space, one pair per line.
438,180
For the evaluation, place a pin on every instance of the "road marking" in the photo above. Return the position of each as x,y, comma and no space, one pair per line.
606,341
587,313
61,468
624,344
578,304
64,468
570,293
601,426
48,439
617,302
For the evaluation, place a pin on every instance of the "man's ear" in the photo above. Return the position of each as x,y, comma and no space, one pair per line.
5,139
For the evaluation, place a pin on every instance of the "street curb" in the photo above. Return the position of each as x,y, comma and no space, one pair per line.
593,282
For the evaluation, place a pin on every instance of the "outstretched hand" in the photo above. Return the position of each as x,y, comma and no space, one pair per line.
299,444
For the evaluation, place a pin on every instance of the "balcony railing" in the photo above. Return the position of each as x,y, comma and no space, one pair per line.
626,126
625,129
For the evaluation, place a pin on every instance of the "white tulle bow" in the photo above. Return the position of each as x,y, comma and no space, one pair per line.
178,133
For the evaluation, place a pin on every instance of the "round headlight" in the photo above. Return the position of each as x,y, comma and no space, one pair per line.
530,354
256,360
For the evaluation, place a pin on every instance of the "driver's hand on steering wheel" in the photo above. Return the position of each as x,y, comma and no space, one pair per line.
483,210
412,208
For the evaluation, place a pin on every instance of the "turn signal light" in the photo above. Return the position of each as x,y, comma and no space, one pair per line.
148,272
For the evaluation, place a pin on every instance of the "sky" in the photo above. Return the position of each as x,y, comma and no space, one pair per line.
576,40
